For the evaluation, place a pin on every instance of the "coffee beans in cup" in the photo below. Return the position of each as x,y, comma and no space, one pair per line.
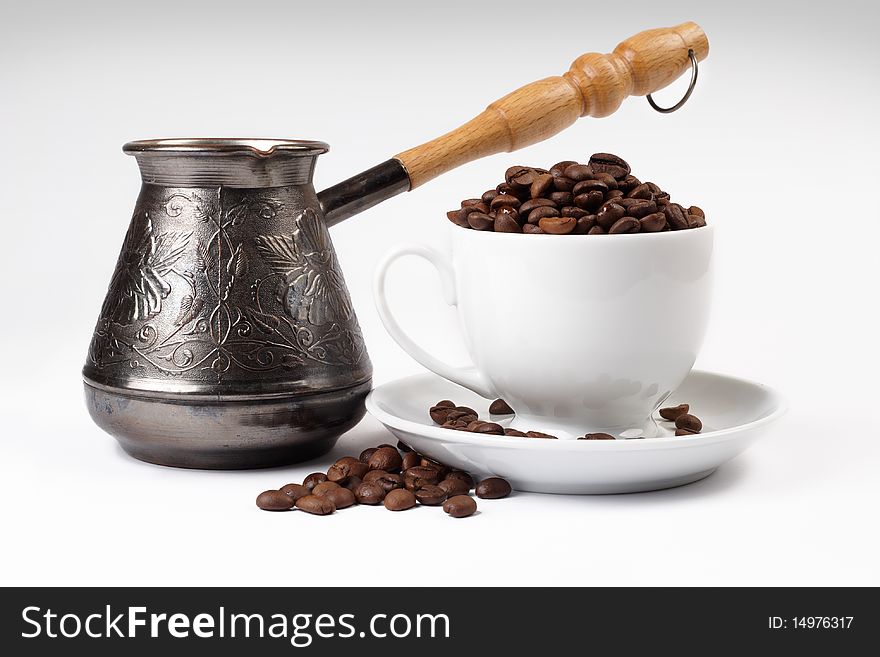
600,197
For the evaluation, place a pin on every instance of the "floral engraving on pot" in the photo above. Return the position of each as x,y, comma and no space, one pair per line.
194,304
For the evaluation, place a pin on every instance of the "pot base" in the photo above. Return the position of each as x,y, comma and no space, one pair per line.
229,434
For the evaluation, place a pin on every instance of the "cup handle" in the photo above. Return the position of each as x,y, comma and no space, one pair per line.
468,378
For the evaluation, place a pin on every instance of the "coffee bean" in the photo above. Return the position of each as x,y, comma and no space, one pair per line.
686,432
459,217
643,191
324,486
539,213
419,476
319,506
653,223
505,223
347,466
578,172
541,185
609,214
370,494
563,184
609,163
557,225
430,495
438,413
352,483
295,491
514,172
410,460
314,479
461,476
385,458
606,178
488,195
505,200
676,217
480,221
596,230
572,211
500,407
385,480
342,498
560,198
275,500
641,209
689,422
513,432
532,229
696,221
584,224
533,203
672,412
470,202
453,487
613,194
625,225
697,211
587,186
597,436
559,168
460,506
490,428
367,453
399,499
539,434
493,488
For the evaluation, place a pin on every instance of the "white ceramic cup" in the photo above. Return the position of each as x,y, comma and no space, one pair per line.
577,333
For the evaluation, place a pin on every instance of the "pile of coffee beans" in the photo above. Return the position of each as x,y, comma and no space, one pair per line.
597,198
463,418
395,477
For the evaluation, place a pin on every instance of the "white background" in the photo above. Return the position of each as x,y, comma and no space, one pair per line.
779,145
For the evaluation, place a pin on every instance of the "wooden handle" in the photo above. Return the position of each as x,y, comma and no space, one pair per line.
595,85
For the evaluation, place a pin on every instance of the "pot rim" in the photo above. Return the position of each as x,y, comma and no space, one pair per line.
253,146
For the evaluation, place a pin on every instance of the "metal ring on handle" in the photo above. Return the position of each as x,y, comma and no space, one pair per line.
694,71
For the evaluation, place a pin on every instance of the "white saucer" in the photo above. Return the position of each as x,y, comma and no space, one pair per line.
734,412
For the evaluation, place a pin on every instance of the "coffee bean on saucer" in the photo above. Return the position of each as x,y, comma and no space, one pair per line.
609,214
689,422
370,494
430,495
541,185
480,221
625,225
399,499
563,184
596,230
686,432
493,488
513,432
460,506
586,186
696,211
500,407
597,436
696,221
643,191
275,500
385,480
539,434
470,202
367,453
505,223
505,200
578,172
453,487
410,460
342,498
559,168
295,491
314,479
609,163
641,208
324,487
385,458
676,217
319,506
490,428
459,217
532,229
542,212
672,412
561,199
488,195
653,223
557,225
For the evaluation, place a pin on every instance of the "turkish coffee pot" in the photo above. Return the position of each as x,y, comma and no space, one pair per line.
227,338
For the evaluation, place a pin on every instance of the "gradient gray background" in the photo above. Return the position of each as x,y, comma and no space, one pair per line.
779,144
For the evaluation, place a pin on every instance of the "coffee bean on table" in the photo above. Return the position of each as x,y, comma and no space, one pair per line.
316,505
352,483
453,487
367,453
324,487
493,488
370,494
399,499
275,500
672,412
342,498
295,491
430,495
689,422
609,163
500,407
419,476
460,506
385,458
410,460
385,480
313,479
597,436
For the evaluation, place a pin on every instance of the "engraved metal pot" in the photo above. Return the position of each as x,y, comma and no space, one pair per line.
227,337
